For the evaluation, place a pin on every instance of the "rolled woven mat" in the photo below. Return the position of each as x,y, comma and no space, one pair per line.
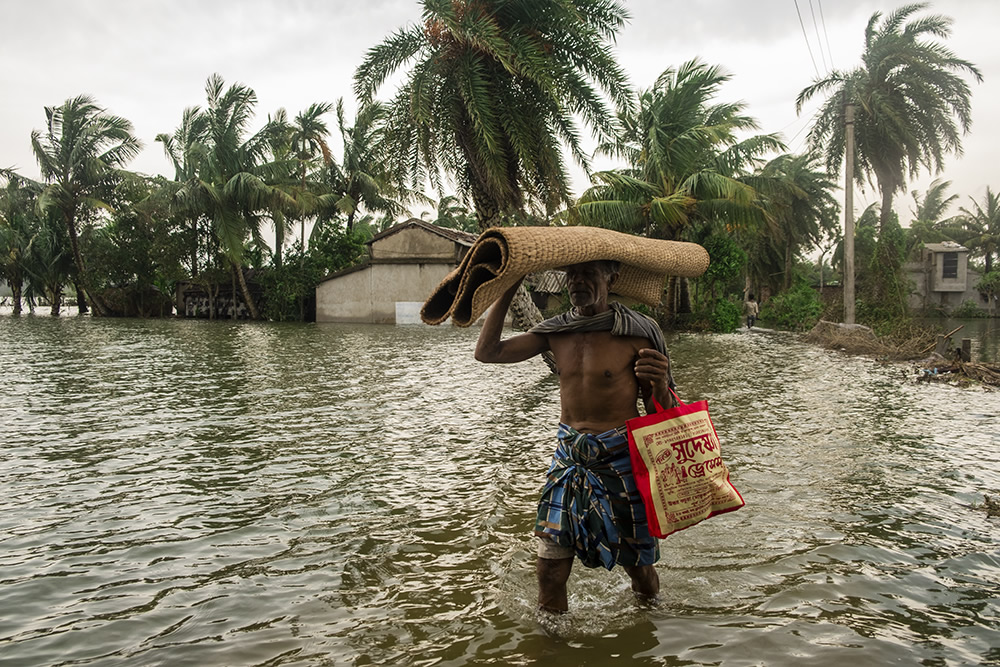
503,255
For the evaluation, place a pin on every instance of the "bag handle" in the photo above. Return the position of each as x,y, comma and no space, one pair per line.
660,408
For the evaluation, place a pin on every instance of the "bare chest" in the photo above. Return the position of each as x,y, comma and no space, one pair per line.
595,356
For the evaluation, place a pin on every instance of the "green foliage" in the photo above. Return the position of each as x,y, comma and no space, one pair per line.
726,261
726,316
902,70
982,223
989,284
803,210
292,285
883,287
686,164
797,309
968,309
493,92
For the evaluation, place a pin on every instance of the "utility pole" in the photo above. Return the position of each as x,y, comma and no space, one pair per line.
849,213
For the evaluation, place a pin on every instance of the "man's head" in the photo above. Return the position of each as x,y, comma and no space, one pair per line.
589,282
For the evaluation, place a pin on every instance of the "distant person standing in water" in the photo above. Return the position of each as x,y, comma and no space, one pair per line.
752,309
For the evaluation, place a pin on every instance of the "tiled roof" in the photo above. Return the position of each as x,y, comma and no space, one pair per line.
463,238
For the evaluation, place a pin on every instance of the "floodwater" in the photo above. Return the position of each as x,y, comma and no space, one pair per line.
984,334
207,493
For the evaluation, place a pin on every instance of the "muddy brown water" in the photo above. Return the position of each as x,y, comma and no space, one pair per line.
204,493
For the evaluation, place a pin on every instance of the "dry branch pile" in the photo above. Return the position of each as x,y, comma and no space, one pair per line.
988,374
906,344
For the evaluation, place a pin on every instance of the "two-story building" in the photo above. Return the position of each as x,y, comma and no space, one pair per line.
942,279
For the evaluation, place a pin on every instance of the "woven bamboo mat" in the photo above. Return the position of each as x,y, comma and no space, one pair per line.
503,255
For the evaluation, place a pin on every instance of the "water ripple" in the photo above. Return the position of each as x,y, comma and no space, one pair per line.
206,493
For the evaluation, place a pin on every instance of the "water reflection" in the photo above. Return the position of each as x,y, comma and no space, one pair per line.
983,332
208,493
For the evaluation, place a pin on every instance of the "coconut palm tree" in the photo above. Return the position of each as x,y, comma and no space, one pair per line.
81,155
302,143
18,223
685,161
800,201
452,214
929,224
687,168
363,182
49,261
911,103
235,183
187,150
493,92
983,223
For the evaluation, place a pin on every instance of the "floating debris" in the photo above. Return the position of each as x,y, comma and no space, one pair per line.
991,506
964,372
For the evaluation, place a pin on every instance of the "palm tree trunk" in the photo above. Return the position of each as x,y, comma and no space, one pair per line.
684,297
788,266
15,289
100,308
886,213
55,300
671,302
81,303
194,247
279,238
232,287
251,306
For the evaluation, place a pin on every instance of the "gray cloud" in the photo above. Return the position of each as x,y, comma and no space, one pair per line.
149,60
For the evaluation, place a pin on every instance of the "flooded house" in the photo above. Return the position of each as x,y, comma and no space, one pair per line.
404,265
942,279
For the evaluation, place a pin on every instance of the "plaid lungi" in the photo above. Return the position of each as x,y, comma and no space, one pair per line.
590,502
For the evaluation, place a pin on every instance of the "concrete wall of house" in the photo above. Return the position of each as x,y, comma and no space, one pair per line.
927,281
370,295
939,283
413,243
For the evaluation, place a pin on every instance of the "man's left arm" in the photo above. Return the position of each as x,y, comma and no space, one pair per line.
652,369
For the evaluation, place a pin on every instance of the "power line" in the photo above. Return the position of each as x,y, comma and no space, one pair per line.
825,33
806,37
819,42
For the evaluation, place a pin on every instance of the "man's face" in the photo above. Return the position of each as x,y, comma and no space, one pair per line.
588,283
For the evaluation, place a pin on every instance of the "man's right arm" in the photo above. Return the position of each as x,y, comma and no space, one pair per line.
491,350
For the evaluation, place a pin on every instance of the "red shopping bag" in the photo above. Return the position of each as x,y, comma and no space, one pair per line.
678,467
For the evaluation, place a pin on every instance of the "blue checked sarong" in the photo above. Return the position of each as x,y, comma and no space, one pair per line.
590,502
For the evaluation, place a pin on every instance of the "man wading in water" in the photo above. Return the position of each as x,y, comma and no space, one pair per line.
606,356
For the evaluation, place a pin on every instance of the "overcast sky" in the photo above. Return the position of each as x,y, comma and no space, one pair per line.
147,60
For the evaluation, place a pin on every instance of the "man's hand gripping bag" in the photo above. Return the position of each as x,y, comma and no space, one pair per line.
678,467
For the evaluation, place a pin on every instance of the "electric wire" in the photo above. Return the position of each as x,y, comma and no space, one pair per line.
819,40
822,19
806,37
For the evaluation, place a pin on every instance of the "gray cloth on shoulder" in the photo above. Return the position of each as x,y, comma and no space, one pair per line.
619,320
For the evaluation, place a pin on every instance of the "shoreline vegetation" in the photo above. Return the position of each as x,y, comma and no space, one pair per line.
935,357
498,119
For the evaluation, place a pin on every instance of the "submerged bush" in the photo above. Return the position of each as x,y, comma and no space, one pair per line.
797,309
968,309
726,316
